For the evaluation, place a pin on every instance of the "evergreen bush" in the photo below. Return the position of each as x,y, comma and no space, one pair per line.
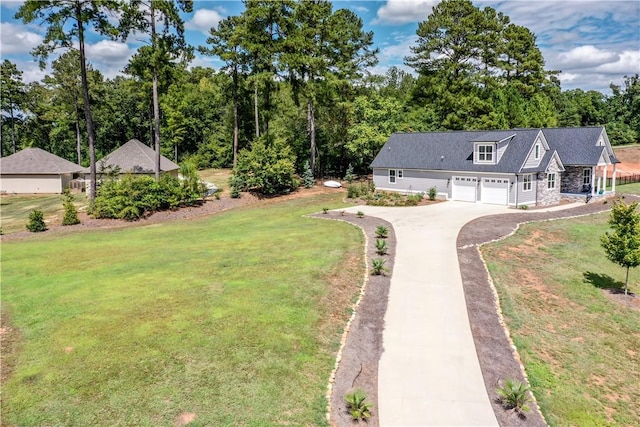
36,222
70,211
307,177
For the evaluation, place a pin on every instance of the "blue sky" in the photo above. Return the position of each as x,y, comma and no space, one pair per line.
593,43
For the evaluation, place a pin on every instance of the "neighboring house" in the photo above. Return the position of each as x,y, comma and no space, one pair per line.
506,167
34,170
135,157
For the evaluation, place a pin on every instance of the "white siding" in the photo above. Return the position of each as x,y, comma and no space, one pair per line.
30,184
414,181
527,197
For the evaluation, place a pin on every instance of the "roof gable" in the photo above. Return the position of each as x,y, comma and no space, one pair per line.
36,161
135,157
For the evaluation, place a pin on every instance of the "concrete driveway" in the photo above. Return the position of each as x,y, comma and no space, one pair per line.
429,373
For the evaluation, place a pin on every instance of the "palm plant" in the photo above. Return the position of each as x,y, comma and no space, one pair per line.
381,247
378,266
513,395
358,407
382,232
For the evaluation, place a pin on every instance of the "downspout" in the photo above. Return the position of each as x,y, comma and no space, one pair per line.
516,184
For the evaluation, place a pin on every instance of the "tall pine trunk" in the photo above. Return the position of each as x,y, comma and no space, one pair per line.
156,105
255,109
87,107
78,136
311,119
235,116
13,132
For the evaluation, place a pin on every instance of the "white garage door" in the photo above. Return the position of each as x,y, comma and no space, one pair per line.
464,188
495,191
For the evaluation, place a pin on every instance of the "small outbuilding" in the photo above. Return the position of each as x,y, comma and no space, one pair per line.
137,158
34,170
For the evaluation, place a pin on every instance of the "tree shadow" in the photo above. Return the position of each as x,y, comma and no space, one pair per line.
604,281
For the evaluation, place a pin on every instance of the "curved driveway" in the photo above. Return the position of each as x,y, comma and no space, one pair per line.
429,373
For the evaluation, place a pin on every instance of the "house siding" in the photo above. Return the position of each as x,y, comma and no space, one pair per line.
414,181
531,161
33,184
527,197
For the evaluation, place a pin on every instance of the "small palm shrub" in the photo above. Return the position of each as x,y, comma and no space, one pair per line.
382,232
378,267
432,193
513,395
360,214
358,406
325,210
70,211
381,247
36,221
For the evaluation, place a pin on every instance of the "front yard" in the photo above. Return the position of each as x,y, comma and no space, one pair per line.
579,342
228,320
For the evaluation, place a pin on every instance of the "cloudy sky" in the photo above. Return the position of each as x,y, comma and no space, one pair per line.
594,43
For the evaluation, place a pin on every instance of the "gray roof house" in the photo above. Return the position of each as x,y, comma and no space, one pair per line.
135,157
513,167
34,170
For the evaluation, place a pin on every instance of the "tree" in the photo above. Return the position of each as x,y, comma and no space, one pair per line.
622,247
12,92
169,44
82,14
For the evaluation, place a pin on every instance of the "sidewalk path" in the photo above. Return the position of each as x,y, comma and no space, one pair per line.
429,373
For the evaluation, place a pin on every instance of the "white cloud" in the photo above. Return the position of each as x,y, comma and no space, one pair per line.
203,20
15,39
108,56
628,62
404,11
393,54
585,57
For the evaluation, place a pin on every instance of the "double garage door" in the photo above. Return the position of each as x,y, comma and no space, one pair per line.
494,191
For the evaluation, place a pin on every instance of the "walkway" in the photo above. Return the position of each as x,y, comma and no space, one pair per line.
429,373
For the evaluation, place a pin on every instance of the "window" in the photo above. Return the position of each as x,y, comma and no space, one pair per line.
586,176
485,153
392,176
551,180
537,151
526,182
400,173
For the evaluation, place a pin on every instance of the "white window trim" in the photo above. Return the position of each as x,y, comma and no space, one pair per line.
551,179
399,173
525,182
586,177
392,176
493,153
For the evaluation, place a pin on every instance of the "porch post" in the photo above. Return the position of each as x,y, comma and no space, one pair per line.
606,173
593,181
613,179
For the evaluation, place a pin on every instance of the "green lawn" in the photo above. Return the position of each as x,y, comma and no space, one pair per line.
633,188
581,349
230,318
219,177
15,209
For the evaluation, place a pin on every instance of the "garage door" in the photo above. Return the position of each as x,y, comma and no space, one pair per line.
495,191
464,188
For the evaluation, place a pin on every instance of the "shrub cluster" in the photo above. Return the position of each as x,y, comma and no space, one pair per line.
132,197
383,198
36,222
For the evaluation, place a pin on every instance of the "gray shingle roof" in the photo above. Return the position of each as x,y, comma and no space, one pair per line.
453,151
135,157
35,161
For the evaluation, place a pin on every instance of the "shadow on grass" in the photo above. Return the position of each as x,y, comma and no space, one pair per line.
604,281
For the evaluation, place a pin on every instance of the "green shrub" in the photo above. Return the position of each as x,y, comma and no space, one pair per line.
513,395
353,192
358,407
70,211
381,247
267,167
133,197
36,221
382,232
325,210
378,266
307,176
523,207
432,193
360,214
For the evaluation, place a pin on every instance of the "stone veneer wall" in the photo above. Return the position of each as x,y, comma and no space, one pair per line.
572,179
548,196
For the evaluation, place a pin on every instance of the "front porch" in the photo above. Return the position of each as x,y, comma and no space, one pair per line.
582,181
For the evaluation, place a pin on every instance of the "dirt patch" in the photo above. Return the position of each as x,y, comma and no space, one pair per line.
617,295
184,418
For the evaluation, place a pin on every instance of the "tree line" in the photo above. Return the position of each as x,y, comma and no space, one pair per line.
295,76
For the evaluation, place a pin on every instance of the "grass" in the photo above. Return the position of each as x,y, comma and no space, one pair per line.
580,348
15,209
232,318
220,177
633,188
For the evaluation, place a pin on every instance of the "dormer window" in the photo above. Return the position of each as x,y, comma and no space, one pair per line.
484,153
